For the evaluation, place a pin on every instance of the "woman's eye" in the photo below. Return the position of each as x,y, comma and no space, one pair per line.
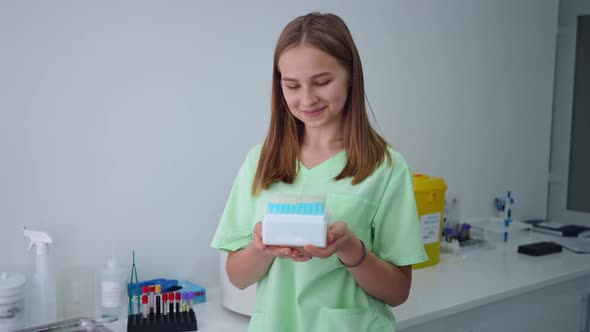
322,83
291,87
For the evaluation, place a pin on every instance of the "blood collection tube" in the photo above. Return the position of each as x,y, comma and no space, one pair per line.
171,304
152,290
184,298
144,306
144,291
177,298
164,303
191,300
158,297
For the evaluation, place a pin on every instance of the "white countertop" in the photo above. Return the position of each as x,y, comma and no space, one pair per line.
487,275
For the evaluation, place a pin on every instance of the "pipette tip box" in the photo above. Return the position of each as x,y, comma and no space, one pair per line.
295,223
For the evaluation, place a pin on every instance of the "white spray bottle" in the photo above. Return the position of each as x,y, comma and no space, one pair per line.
42,293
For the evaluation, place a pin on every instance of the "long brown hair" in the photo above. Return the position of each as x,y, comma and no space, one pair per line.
365,148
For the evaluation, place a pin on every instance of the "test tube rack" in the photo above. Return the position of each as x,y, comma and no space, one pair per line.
179,321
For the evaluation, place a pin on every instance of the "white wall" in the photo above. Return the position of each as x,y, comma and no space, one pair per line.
562,112
124,123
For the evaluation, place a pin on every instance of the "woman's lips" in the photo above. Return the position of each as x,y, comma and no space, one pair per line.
314,112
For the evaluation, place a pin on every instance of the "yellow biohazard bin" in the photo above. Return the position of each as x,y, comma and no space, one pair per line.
430,201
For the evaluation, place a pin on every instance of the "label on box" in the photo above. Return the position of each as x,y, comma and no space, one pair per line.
430,227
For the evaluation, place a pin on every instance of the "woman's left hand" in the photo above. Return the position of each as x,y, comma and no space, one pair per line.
340,238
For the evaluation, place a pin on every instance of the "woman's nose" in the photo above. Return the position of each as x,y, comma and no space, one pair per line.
308,98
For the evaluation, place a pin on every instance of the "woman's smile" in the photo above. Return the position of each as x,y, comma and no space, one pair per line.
314,112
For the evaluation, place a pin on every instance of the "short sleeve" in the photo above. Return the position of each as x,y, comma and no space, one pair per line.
234,231
397,234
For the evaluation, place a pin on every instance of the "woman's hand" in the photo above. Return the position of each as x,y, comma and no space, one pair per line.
298,254
341,241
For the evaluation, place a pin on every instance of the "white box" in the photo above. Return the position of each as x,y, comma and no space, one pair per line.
294,230
492,229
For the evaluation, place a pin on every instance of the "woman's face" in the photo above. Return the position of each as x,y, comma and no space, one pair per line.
315,86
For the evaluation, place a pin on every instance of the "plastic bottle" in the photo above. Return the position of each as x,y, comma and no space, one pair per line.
42,291
112,289
12,301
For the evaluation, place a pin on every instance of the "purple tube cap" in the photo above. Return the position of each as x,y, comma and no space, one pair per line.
191,296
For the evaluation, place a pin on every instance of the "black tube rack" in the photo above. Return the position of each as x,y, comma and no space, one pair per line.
174,322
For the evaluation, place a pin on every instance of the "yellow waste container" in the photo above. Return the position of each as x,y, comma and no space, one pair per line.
430,201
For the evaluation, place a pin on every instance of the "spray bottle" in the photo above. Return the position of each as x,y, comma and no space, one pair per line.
42,293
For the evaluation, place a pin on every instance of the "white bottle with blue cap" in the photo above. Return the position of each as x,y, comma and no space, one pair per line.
42,295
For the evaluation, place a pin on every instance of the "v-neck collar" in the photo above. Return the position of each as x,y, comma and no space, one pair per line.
324,163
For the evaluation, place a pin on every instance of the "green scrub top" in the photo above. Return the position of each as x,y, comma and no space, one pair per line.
321,294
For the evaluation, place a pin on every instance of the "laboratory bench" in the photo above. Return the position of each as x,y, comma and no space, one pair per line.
496,288
488,288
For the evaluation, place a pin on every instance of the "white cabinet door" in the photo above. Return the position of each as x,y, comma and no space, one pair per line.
558,307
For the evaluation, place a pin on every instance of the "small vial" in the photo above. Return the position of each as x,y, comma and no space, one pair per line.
152,290
144,291
465,231
171,303
158,302
184,298
144,306
165,304
191,300
177,298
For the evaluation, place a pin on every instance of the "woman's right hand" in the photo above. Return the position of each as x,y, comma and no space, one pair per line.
298,254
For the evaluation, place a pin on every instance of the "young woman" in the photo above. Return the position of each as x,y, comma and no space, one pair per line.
320,143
